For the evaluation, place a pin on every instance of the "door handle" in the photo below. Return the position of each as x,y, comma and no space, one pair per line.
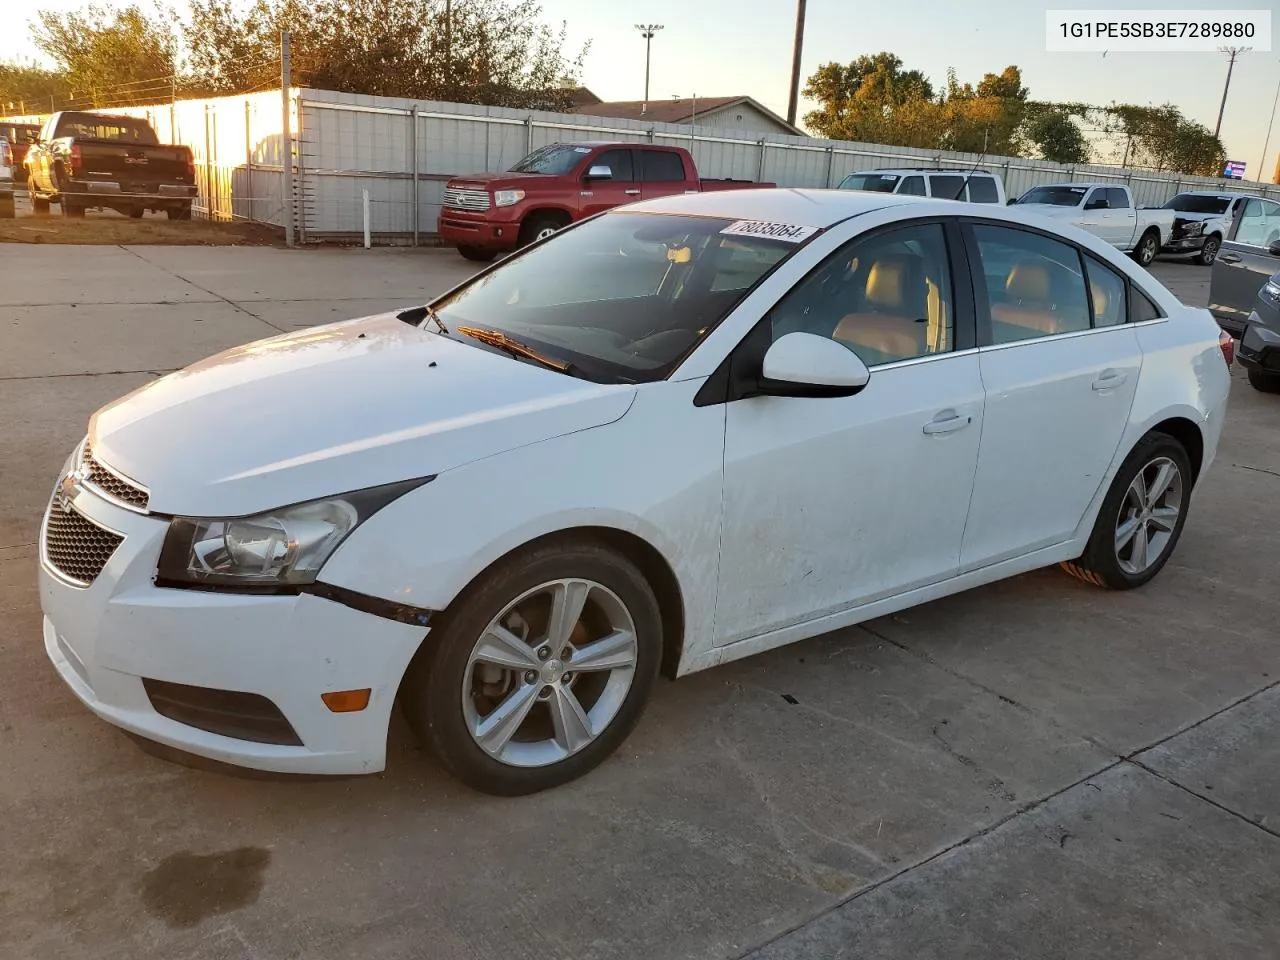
1109,380
950,424
1229,257
632,193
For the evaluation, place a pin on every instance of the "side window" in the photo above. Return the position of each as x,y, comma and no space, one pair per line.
1259,223
1034,284
1117,199
886,297
1106,291
947,187
1141,308
619,161
661,166
1097,199
983,190
914,186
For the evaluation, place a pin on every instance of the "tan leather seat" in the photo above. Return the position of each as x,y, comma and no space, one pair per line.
891,324
1029,289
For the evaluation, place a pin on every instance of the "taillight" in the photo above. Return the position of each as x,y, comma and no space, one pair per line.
1228,346
191,167
77,161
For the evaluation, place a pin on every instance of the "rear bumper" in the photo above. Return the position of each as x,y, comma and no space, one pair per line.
496,229
108,190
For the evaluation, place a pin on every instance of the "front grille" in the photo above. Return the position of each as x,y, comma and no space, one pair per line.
459,199
76,546
228,713
109,484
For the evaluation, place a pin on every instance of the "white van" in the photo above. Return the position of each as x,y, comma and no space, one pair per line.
983,185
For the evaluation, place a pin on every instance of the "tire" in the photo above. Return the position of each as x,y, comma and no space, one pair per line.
8,207
71,208
477,254
1105,564
447,694
1147,248
539,228
1209,252
135,213
179,213
1264,382
39,204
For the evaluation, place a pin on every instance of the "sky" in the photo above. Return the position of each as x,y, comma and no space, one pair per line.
714,48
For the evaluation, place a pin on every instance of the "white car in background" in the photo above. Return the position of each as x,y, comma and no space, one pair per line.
973,186
1107,211
1201,221
670,436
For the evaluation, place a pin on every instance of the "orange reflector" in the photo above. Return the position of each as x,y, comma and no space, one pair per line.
346,701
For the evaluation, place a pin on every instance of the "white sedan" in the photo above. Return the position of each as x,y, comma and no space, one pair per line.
670,436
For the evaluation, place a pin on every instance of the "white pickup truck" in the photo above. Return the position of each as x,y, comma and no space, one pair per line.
1108,212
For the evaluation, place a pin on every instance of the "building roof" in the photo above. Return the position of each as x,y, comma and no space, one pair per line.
678,110
581,97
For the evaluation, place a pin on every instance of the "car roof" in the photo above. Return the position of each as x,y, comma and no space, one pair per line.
1214,193
802,207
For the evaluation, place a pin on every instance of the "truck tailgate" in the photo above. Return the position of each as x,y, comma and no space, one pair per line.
136,167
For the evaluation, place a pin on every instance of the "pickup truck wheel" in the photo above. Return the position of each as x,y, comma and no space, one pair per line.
1264,382
71,208
179,213
478,254
1147,248
1209,252
539,228
39,204
136,213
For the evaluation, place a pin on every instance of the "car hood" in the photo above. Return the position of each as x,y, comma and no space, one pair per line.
496,181
334,409
1048,209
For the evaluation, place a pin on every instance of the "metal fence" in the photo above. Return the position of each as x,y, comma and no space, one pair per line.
402,152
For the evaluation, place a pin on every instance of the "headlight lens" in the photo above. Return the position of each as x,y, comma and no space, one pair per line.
1194,228
280,548
505,198
1271,289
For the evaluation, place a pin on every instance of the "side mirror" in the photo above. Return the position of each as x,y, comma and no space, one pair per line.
1011,201
600,171
807,365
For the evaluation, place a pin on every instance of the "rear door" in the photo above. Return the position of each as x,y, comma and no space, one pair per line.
622,185
662,173
1060,367
1245,262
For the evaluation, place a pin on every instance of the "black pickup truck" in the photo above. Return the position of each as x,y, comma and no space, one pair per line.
83,160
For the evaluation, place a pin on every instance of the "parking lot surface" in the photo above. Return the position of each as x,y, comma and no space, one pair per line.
1035,768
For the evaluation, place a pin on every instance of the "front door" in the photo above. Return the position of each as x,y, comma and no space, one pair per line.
834,502
621,186
1245,262
1060,366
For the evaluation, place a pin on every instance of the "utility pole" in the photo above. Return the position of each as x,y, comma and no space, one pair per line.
1262,164
286,146
794,100
1232,53
647,30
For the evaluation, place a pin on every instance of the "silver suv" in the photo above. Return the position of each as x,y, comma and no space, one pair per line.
975,186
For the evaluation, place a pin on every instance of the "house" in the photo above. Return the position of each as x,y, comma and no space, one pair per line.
581,97
725,113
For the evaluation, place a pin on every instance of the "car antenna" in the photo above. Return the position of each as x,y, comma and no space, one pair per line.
969,176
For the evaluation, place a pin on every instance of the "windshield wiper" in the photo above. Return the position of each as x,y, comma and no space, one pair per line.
516,348
414,316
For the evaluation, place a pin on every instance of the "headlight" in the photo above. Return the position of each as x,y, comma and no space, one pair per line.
1271,290
1194,228
285,547
505,198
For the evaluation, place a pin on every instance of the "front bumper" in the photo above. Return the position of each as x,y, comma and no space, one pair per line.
1184,245
121,634
496,229
1259,347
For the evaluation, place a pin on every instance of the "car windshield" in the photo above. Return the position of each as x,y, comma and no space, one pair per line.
1054,196
555,160
873,182
622,298
1197,203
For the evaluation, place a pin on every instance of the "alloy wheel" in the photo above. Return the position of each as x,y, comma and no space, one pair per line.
1148,516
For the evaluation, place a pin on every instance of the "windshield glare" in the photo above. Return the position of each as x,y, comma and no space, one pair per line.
555,160
1054,196
872,182
623,297
1192,203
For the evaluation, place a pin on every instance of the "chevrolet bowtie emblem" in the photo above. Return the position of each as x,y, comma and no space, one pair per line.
67,489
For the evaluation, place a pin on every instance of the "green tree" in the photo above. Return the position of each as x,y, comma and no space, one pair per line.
986,118
27,88
493,52
1161,138
873,99
111,57
1052,132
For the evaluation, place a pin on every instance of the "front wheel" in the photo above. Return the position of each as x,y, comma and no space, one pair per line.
539,228
1147,248
540,669
39,204
1209,252
1264,382
477,254
1141,518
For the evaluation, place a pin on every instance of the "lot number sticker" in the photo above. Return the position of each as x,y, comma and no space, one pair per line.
790,232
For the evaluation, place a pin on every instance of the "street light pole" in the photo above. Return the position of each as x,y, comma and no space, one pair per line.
794,100
1232,53
647,30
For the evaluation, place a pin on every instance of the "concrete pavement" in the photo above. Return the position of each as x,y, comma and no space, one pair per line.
1036,768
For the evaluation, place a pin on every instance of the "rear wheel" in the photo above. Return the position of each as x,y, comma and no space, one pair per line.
1264,381
478,254
8,208
540,227
539,671
72,208
1209,252
179,213
1147,248
39,204
136,212
1141,518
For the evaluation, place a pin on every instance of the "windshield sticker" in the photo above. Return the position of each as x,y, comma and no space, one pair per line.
887,176
790,232
581,149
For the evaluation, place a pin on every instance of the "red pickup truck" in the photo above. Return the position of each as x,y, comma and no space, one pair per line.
486,213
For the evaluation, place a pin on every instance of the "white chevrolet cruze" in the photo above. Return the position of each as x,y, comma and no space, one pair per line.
673,435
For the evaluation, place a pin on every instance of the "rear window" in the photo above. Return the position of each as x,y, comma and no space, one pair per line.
983,190
947,187
123,129
661,166
872,182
